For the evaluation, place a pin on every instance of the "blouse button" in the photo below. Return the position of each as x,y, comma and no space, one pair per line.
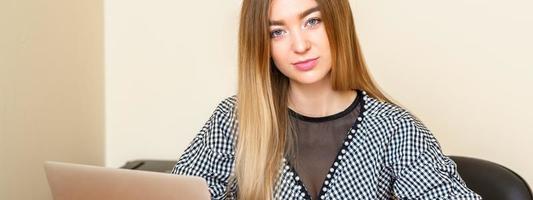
363,92
322,197
339,157
324,189
329,175
343,151
345,143
331,169
353,131
327,182
359,118
297,178
336,164
350,137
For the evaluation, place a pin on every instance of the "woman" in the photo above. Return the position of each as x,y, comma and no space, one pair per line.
308,122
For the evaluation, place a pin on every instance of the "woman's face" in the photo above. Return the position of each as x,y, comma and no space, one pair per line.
299,43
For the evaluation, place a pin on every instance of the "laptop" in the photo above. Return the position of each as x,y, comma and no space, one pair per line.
84,182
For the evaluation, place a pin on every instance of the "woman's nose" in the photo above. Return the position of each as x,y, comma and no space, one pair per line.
300,42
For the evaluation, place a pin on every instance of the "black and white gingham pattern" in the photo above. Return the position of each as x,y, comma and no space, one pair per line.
387,154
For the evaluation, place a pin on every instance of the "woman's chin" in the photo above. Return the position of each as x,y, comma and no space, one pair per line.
308,80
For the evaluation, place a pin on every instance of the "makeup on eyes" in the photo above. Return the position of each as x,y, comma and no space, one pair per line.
277,30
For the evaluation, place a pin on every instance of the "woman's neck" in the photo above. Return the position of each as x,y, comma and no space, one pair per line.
318,99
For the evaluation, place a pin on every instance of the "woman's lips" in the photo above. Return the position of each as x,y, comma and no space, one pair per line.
306,65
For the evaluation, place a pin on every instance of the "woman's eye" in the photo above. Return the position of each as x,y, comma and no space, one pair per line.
276,33
313,21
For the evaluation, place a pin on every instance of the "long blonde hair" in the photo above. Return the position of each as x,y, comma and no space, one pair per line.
264,135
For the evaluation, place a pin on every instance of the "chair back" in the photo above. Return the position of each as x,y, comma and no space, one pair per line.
491,180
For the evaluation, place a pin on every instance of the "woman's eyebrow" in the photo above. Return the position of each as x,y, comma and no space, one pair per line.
309,11
302,15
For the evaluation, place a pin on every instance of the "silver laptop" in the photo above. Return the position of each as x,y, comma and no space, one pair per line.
83,182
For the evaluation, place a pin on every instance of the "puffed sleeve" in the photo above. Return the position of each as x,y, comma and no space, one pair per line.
210,154
420,168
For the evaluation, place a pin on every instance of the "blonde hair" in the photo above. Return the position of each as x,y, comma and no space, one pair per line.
264,131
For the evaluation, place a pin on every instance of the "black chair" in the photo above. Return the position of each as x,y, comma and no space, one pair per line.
492,181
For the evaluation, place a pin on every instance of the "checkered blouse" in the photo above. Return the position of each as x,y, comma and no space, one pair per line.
387,154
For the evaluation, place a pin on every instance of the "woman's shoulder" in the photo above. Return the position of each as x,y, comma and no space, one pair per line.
227,105
386,110
224,115
219,132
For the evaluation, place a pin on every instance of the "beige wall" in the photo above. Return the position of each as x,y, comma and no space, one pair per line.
51,90
464,67
168,63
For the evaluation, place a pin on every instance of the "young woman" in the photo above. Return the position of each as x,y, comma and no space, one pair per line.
308,122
